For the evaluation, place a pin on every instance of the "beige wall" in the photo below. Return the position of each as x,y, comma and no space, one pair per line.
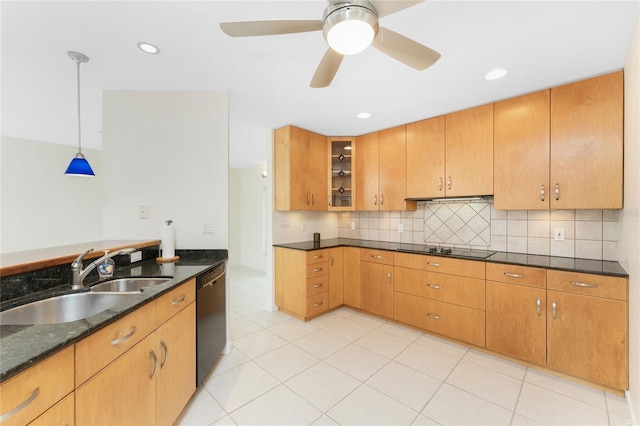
630,220
40,206
169,151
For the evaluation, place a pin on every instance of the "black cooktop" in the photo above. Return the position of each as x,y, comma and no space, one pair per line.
448,251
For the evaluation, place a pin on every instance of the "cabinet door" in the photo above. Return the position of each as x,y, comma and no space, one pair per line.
367,172
352,279
587,337
392,163
316,173
63,414
377,289
469,145
586,143
336,277
516,321
521,152
124,392
299,166
176,349
341,191
425,158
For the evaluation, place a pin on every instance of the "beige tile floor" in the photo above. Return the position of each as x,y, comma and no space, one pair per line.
347,368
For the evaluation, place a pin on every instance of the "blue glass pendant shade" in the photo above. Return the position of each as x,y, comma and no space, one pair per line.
79,166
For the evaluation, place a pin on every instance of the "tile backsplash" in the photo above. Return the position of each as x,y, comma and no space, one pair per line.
588,234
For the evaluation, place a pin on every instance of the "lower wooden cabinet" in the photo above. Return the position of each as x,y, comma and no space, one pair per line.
63,413
377,288
37,389
587,335
336,277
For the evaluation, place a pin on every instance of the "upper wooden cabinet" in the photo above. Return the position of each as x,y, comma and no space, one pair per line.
587,144
521,152
381,171
342,152
426,158
300,164
469,145
561,148
452,155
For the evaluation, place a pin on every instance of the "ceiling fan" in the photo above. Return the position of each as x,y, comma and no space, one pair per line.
348,26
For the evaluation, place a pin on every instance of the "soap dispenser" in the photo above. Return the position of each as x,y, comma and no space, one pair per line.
106,267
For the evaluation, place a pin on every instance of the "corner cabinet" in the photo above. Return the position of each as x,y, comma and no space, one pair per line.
381,167
561,148
300,167
342,152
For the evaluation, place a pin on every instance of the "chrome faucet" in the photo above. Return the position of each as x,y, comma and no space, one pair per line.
78,274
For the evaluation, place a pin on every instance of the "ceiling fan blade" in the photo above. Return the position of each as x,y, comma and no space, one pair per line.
269,27
327,69
387,7
405,50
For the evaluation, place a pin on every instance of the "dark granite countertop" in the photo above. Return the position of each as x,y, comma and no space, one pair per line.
602,267
24,345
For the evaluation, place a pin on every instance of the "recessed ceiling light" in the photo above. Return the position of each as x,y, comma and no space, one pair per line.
148,48
364,115
495,74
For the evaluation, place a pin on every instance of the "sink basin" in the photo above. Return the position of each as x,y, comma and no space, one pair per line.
121,285
61,309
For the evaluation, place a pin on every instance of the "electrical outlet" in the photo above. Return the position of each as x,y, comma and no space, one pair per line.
136,256
353,226
208,227
284,222
400,227
558,234
304,227
143,211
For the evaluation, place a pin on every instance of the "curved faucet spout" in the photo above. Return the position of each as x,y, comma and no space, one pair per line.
78,274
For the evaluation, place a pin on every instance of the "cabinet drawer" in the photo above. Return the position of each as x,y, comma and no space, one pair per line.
63,413
317,256
377,256
513,274
317,304
454,289
36,389
317,285
94,352
317,269
445,265
175,300
458,322
588,284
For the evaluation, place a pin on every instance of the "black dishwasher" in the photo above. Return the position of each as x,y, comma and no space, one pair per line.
211,319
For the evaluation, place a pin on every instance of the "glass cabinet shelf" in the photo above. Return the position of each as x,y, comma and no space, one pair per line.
341,151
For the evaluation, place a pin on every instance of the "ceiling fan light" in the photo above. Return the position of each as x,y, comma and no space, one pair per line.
350,37
350,27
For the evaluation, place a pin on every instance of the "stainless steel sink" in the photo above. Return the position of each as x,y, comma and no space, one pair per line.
123,285
61,309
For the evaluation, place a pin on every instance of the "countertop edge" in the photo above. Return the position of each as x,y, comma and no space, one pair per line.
521,259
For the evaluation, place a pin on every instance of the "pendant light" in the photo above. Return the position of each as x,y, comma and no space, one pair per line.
79,165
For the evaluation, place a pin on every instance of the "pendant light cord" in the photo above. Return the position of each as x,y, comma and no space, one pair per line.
79,127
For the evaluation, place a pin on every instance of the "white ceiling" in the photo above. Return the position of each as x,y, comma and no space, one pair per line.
541,43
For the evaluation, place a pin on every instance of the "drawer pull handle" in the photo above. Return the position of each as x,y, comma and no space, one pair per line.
554,308
381,199
318,256
318,285
583,285
433,316
440,183
449,182
21,406
557,191
376,256
434,286
511,275
538,307
434,264
315,305
542,193
331,263
317,269
155,363
125,337
166,353
389,278
375,199
178,301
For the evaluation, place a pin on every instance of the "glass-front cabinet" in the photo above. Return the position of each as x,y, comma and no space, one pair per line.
342,151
